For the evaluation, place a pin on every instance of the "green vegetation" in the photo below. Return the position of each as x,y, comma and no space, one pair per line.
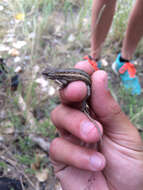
121,18
3,165
56,33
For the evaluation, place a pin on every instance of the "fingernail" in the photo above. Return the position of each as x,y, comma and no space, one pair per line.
86,127
96,163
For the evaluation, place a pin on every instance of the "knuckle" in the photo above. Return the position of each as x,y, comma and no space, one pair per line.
54,114
53,146
113,112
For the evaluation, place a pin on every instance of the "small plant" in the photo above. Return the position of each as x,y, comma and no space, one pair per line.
25,144
120,18
46,128
130,104
29,171
82,14
3,166
25,159
139,49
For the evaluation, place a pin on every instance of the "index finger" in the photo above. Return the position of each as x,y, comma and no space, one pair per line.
85,66
76,91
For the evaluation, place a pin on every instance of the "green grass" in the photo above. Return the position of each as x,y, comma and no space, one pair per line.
25,144
3,166
121,18
47,129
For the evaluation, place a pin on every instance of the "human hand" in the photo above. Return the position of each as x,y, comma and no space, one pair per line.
117,162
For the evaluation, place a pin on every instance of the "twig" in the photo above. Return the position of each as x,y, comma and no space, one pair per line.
15,165
29,117
137,115
21,181
41,142
32,125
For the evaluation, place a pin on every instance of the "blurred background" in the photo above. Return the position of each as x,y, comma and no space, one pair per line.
35,34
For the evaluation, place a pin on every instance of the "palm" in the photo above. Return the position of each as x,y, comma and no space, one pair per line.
115,175
123,168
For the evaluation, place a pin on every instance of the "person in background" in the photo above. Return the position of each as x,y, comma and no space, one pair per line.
102,15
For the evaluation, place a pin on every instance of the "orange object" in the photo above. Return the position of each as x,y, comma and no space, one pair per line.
128,67
92,62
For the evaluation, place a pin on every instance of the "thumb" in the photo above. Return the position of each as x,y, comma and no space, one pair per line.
108,111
